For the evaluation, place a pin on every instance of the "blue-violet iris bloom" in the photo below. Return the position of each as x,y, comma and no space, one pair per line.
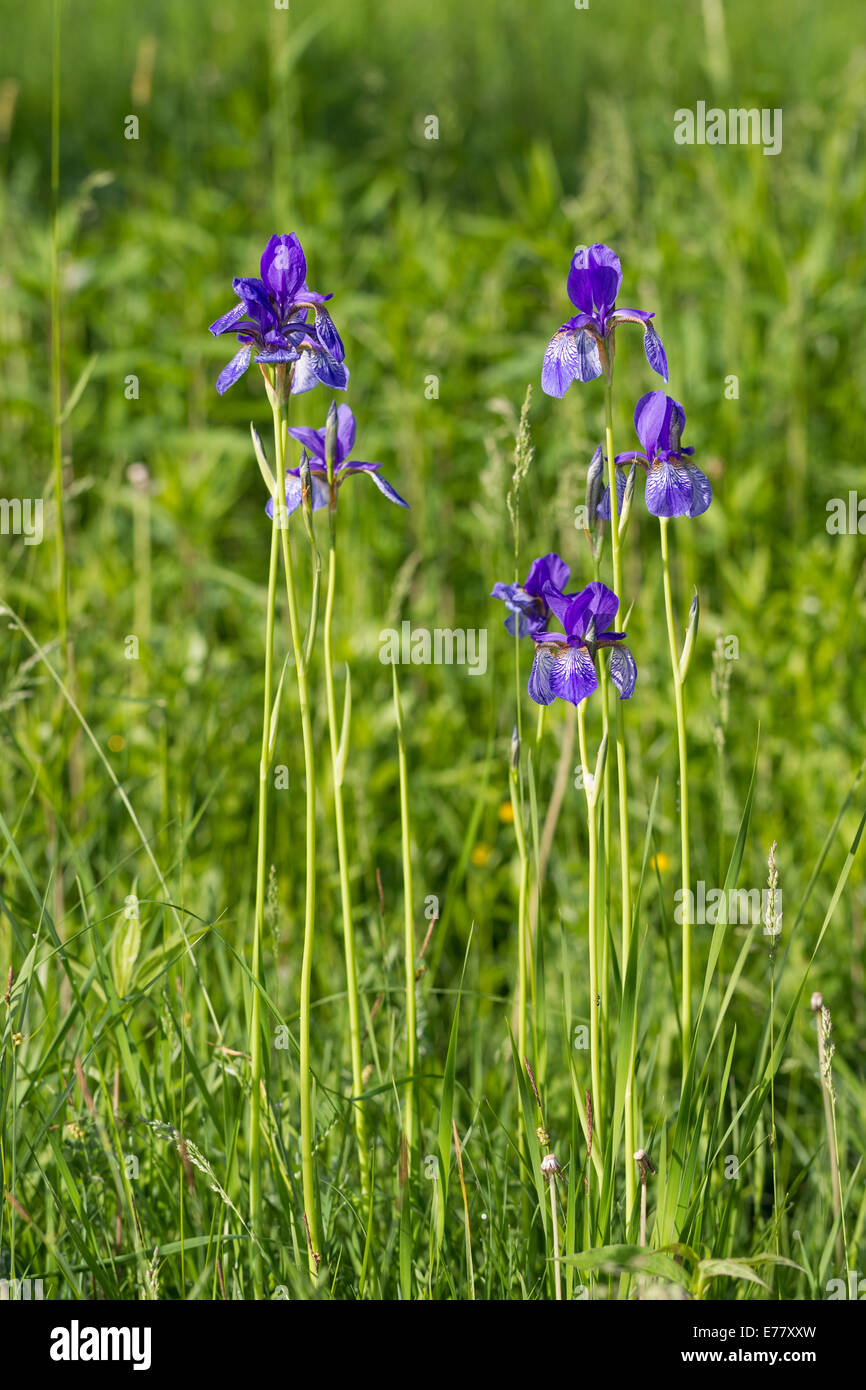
525,602
271,319
564,664
674,487
573,352
314,445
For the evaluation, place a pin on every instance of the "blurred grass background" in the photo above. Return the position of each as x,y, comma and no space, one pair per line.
448,258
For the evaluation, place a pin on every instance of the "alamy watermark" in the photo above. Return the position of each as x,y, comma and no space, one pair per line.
22,517
738,907
444,646
737,126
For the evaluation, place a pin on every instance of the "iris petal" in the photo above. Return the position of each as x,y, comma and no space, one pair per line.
560,365
284,267
702,492
226,323
652,421
572,675
655,353
234,369
547,569
595,601
603,508
294,495
382,483
579,287
328,335
668,490
605,276
312,440
623,671
345,432
539,677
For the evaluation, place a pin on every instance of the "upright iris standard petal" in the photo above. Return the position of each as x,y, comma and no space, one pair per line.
547,569
579,285
526,602
234,369
652,416
623,671
345,432
284,268
523,615
312,440
575,611
605,277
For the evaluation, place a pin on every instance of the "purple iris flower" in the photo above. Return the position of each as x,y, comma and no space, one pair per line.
573,352
314,446
564,664
271,319
526,602
674,487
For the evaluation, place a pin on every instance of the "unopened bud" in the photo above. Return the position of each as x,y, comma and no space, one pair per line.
551,1167
331,439
817,1002
627,497
594,485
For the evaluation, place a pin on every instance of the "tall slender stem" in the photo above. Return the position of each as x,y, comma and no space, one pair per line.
408,934
56,427
592,830
343,861
308,1181
679,702
622,775
522,914
258,920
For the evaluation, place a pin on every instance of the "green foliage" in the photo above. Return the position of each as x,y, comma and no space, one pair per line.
124,1067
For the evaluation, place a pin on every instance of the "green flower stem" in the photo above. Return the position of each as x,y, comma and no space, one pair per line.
592,830
255,1132
522,916
622,780
308,1181
343,861
56,418
411,1128
679,702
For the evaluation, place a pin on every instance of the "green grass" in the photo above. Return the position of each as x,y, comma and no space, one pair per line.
124,1072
